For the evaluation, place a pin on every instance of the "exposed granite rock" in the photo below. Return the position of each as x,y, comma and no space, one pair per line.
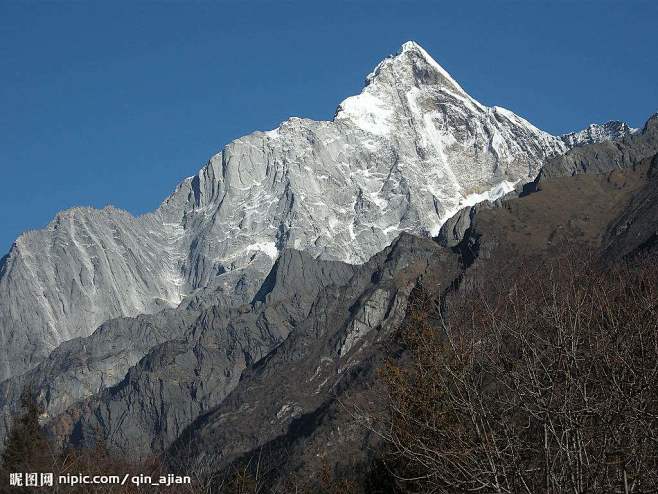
213,386
82,367
304,423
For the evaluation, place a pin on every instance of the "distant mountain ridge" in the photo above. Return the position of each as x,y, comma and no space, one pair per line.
613,130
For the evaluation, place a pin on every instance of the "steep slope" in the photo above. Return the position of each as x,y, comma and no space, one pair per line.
571,212
219,342
293,429
635,231
221,382
402,156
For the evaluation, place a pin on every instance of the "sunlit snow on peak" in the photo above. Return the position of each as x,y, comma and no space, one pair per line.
367,112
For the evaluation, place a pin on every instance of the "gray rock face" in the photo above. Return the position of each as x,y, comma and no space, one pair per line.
82,367
303,423
203,357
219,380
294,406
403,156
86,267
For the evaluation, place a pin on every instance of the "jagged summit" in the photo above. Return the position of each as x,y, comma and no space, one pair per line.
415,64
410,69
404,155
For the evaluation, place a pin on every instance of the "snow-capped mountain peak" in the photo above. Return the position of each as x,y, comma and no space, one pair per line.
402,156
410,69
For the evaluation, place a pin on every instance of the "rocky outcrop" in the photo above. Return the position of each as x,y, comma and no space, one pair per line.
635,230
83,367
213,385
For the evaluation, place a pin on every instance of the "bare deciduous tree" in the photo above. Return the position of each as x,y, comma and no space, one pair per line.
546,382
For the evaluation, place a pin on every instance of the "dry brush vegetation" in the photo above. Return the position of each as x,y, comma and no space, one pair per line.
546,382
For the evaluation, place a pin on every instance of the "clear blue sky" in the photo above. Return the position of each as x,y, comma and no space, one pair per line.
115,103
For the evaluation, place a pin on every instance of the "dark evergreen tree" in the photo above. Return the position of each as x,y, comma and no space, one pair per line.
26,448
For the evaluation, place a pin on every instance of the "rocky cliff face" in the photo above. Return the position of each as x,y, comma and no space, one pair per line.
402,156
86,267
